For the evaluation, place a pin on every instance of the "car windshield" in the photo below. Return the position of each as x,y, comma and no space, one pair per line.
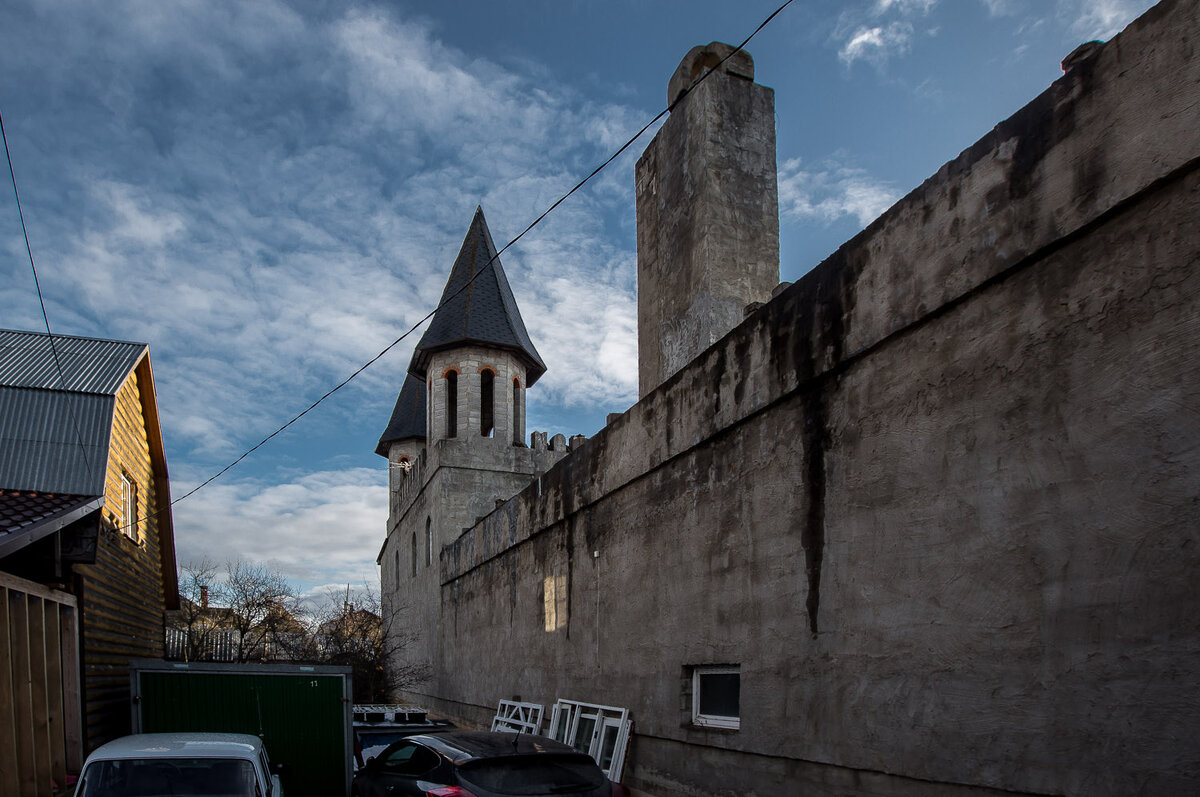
543,774
181,777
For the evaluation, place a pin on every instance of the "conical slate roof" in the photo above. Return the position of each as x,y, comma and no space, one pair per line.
408,417
482,312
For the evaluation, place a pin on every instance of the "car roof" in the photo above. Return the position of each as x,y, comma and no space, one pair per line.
463,746
179,745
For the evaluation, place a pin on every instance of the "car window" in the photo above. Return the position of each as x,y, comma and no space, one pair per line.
410,759
198,776
534,775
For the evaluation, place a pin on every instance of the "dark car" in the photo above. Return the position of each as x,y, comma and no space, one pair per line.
481,764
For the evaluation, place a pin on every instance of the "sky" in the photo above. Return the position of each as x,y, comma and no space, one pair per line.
270,193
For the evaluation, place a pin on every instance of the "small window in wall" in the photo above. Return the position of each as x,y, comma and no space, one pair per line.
451,404
487,402
428,541
716,694
414,553
397,570
129,508
516,412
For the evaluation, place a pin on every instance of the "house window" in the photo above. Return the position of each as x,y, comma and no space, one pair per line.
487,402
129,507
716,693
414,553
397,570
516,412
451,404
428,541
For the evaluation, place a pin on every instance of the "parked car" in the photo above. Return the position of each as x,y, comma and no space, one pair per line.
482,764
376,726
152,764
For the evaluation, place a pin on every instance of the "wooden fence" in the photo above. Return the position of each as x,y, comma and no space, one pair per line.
40,728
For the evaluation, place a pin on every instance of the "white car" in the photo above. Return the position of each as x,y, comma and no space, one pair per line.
179,764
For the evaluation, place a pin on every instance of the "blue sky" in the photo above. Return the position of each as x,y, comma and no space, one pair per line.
269,193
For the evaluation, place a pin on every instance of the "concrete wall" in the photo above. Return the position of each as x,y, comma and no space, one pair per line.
938,499
707,211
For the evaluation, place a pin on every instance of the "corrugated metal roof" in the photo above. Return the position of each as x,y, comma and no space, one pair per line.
40,436
89,365
54,438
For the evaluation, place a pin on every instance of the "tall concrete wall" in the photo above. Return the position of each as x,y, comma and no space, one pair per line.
937,500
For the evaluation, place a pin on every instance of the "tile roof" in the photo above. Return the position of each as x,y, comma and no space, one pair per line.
408,417
28,516
480,312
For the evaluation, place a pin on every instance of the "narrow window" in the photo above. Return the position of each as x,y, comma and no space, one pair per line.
428,542
414,553
129,507
716,697
516,418
397,570
487,402
451,404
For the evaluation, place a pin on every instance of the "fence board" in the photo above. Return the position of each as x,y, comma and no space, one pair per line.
54,692
8,708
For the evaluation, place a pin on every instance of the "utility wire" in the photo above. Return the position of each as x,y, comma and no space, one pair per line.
477,274
49,335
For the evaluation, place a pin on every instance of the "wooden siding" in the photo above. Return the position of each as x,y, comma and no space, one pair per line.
39,688
122,594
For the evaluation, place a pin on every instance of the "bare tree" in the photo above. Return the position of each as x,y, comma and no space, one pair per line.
263,607
197,622
366,635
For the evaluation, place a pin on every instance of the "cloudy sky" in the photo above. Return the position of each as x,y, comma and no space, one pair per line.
269,193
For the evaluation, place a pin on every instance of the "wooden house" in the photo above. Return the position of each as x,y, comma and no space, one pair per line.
87,555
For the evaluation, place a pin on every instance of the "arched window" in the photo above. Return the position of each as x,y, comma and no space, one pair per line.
414,553
487,402
452,404
516,413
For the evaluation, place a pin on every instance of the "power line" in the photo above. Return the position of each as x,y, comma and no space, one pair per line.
49,335
493,258
465,285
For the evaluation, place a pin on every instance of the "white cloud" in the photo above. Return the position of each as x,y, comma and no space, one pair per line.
877,44
832,191
1101,19
325,527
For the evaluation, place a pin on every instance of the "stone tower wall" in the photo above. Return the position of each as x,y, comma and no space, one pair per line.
708,215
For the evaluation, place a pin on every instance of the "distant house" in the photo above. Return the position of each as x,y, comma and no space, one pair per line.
264,631
87,554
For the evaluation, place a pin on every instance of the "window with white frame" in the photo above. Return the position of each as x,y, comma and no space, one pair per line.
716,696
129,507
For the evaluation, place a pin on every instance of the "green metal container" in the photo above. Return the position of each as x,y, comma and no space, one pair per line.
301,712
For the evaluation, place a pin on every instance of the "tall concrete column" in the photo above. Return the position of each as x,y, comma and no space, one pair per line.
707,213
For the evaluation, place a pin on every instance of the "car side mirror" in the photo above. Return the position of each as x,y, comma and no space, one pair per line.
370,762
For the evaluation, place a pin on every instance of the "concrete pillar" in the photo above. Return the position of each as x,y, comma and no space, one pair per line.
707,213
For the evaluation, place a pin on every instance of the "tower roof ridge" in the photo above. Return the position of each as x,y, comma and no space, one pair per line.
478,307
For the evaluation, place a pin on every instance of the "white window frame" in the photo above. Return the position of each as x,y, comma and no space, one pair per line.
517,717
564,726
129,519
715,720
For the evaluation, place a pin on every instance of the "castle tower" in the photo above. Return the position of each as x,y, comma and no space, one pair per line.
476,358
455,442
707,212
